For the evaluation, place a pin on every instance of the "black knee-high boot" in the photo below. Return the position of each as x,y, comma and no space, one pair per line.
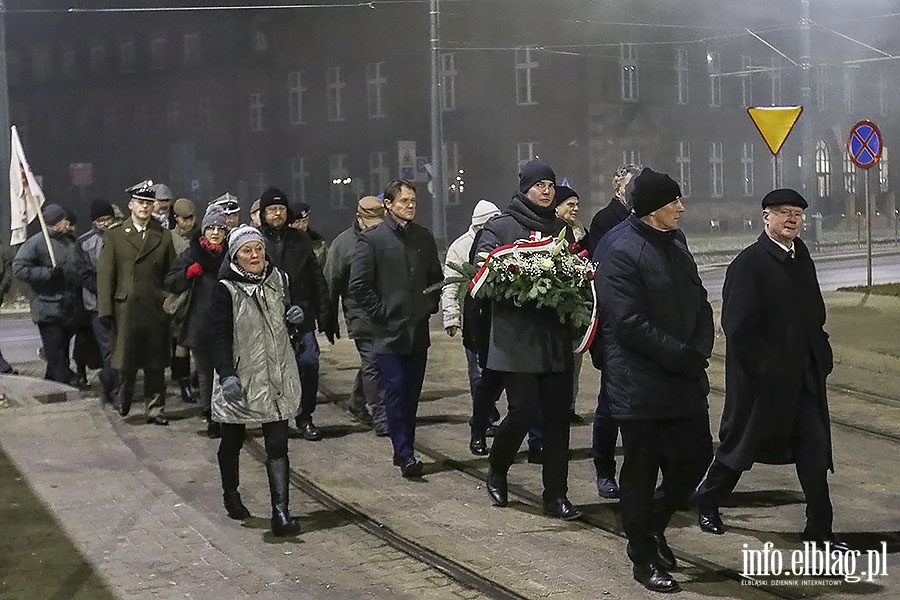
282,522
229,467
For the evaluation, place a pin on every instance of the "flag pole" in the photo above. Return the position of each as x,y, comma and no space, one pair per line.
40,216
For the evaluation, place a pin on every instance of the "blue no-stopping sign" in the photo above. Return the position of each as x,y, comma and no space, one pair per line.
865,144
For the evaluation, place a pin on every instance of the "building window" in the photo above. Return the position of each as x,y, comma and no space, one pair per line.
173,115
379,174
681,76
97,57
110,121
850,98
296,90
628,61
335,92
775,80
823,169
260,42
454,185
777,172
883,173
127,55
141,119
375,80
69,62
205,112
526,151
525,65
448,81
42,64
821,87
158,51
299,177
716,174
714,70
746,81
683,160
849,174
191,49
256,112
340,179
747,169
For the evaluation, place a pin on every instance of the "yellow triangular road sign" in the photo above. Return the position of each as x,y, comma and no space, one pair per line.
774,123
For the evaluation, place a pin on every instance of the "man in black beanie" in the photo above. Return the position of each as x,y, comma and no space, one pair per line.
291,251
656,336
533,351
777,360
86,258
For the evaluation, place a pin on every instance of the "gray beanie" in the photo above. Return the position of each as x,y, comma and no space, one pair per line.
241,235
214,216
53,214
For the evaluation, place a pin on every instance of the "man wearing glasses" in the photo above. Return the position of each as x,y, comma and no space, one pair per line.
777,359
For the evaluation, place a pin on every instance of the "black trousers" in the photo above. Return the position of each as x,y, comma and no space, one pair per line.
55,338
605,434
681,448
275,435
532,396
154,389
810,447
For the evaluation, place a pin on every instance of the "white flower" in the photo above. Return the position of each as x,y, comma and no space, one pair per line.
546,264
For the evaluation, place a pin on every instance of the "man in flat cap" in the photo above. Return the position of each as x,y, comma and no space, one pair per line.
134,261
186,224
301,222
777,359
367,397
657,334
162,206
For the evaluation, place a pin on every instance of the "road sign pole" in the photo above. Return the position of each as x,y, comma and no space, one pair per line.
868,233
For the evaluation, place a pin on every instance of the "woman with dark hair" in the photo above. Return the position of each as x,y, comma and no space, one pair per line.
197,269
258,379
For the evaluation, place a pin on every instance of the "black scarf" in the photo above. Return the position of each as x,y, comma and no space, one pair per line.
534,217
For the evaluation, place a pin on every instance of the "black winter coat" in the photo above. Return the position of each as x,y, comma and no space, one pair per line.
606,218
194,331
524,339
774,317
292,252
657,332
390,269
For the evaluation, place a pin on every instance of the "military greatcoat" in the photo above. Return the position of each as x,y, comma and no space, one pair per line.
130,291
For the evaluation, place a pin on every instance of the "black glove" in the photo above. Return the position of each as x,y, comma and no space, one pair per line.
331,335
57,277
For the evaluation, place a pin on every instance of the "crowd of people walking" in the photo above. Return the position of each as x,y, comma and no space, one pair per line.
233,311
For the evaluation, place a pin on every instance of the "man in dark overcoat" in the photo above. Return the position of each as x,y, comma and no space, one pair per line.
657,335
532,350
393,263
777,359
134,261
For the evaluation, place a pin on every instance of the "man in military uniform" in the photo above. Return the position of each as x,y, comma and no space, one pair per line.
134,260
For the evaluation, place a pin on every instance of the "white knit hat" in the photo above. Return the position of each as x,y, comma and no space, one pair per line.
241,235
484,210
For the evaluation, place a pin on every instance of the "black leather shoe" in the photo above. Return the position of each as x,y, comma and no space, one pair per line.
711,522
561,508
655,578
822,538
478,445
381,429
309,431
158,420
234,507
536,456
491,431
497,488
411,468
123,405
607,487
664,554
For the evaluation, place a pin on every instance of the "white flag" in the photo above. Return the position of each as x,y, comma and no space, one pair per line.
25,195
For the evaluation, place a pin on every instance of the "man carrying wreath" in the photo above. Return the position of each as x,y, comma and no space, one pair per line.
532,349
